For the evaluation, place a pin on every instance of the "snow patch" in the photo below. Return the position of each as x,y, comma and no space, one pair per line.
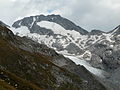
57,29
86,55
22,31
72,35
108,36
33,22
95,71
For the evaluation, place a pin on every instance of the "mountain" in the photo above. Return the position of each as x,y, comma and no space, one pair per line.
27,65
31,23
99,49
62,34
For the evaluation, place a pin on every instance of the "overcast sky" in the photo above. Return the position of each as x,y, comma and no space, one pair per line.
89,14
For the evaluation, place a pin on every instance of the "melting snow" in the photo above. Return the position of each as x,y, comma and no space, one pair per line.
33,22
95,71
86,55
57,29
22,31
108,36
70,36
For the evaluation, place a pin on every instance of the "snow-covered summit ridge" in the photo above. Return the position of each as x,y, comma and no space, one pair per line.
65,23
97,51
62,34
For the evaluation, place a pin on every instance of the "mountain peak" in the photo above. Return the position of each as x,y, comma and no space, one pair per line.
65,23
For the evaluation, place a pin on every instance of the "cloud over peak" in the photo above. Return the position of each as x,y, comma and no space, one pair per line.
89,14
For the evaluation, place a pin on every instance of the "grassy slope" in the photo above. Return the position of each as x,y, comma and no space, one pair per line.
11,81
20,62
5,86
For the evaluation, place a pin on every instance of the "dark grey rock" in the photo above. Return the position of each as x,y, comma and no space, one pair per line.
65,23
73,49
39,30
96,61
96,32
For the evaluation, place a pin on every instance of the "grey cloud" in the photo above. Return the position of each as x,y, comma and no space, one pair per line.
89,14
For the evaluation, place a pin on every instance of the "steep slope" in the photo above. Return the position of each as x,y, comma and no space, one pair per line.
9,81
105,52
22,59
3,24
31,22
52,30
5,86
100,49
60,33
115,31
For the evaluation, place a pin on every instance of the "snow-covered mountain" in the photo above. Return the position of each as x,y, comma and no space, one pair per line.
65,37
97,51
60,33
29,65
54,31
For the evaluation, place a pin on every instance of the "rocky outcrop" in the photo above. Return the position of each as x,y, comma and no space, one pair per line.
96,32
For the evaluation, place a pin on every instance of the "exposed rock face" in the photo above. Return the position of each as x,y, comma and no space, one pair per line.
64,36
96,32
96,61
31,65
108,56
73,49
4,32
65,23
55,39
100,49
